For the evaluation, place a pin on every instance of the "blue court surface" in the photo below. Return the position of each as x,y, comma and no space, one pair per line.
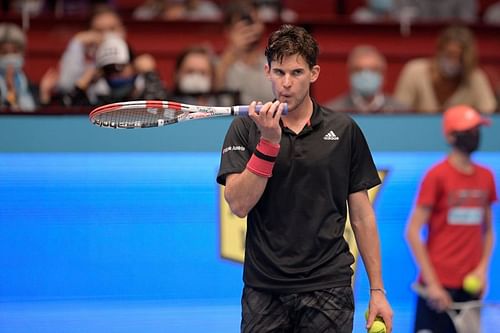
129,242
160,317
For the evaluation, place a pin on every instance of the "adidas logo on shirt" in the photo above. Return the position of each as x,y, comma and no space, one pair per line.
330,136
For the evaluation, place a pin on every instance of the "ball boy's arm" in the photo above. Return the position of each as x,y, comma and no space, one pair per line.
363,224
438,297
488,240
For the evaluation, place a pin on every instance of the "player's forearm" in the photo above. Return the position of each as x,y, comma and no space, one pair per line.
368,243
365,231
243,191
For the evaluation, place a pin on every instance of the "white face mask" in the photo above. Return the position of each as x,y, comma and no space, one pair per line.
13,60
194,83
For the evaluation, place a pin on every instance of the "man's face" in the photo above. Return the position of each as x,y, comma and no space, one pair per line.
291,80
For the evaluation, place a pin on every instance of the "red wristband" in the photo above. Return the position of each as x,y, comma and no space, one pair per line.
262,161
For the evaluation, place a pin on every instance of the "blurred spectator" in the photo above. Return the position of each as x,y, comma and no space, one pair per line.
79,55
492,14
177,10
449,78
442,10
118,76
31,7
74,7
274,10
57,7
241,65
375,11
15,90
194,78
366,67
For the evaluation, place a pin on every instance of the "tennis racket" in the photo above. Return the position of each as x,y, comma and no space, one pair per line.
466,316
150,113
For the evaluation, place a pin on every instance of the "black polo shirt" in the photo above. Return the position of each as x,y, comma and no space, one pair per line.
294,240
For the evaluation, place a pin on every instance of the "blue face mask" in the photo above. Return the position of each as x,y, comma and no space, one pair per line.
366,82
121,82
381,6
13,60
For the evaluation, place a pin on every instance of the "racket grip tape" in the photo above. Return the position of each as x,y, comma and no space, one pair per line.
262,161
242,110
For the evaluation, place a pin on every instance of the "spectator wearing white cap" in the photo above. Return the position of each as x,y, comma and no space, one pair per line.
118,76
15,88
78,59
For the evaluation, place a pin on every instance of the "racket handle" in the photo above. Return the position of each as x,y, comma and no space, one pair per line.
242,110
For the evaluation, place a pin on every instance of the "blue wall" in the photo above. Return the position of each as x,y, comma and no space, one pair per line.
133,214
72,133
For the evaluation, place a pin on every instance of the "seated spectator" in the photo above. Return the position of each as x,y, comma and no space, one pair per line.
79,55
16,92
194,77
375,11
117,77
442,10
58,7
366,67
492,14
449,78
172,10
274,10
78,59
241,65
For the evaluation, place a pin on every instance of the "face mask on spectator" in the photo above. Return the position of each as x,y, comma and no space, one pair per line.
467,141
449,69
120,82
13,60
194,83
366,82
121,87
381,6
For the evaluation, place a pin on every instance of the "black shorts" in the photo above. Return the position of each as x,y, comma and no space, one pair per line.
430,321
323,311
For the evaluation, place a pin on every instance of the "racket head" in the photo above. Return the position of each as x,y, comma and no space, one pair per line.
155,113
137,114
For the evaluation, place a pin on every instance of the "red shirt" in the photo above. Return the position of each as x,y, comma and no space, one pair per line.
458,204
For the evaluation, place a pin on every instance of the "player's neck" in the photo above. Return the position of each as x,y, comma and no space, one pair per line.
300,116
461,161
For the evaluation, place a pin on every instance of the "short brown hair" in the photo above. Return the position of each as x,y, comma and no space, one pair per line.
289,40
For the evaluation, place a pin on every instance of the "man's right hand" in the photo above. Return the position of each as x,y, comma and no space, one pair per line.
268,120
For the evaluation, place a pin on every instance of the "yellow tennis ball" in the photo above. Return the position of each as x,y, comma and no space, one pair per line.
472,284
378,326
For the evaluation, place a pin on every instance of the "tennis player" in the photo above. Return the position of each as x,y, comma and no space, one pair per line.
293,176
454,203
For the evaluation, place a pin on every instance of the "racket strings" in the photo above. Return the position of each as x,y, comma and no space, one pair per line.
134,117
